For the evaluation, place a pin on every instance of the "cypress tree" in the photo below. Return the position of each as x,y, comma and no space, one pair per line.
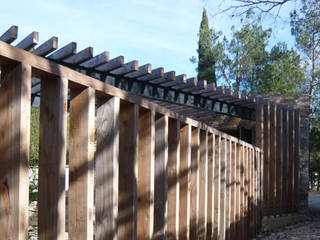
206,63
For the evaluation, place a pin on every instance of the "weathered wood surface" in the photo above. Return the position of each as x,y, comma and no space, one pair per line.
223,189
65,52
173,178
217,187
29,42
81,163
79,57
228,190
161,177
96,60
296,158
184,182
52,158
146,158
210,190
10,35
107,168
128,153
279,154
266,144
194,183
291,160
15,103
203,185
272,159
46,47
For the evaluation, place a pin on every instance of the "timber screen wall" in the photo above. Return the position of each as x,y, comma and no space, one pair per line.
157,174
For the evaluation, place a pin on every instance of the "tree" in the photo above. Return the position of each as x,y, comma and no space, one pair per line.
206,63
305,26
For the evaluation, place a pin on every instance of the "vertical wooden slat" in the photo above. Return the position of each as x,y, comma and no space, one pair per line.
285,161
266,150
228,190
173,178
203,183
184,179
296,157
216,188
279,159
210,196
246,193
259,143
242,191
107,169
238,191
272,159
161,173
146,158
194,183
81,183
52,158
15,103
222,210
291,160
250,198
128,138
233,196
254,157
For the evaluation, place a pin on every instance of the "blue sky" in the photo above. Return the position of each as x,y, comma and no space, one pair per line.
163,33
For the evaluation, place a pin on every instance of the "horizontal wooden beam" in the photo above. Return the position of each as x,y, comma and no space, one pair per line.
208,88
96,61
80,57
156,73
190,82
126,68
46,47
29,42
112,64
65,52
143,70
10,35
180,79
168,77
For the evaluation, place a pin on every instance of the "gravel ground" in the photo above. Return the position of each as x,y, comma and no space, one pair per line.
307,230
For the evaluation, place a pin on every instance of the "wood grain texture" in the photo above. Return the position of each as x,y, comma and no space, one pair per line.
173,178
161,177
80,57
15,103
194,183
107,168
126,68
217,186
81,163
210,189
203,185
223,189
10,35
233,196
279,161
272,159
46,47
96,60
184,182
296,158
228,190
128,140
146,158
29,41
291,160
52,158
112,64
266,153
285,159
64,52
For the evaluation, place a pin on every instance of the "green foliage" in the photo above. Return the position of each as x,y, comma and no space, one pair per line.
34,141
206,63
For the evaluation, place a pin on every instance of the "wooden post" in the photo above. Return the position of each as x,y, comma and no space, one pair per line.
216,188
52,158
279,155
128,154
107,169
272,159
184,179
15,103
222,210
173,178
296,157
266,152
291,160
81,183
285,161
238,229
228,189
194,183
203,184
146,158
233,196
246,193
210,196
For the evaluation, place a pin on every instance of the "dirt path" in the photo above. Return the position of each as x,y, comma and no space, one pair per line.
307,230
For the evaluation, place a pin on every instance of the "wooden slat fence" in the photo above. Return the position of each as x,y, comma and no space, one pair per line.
156,174
277,132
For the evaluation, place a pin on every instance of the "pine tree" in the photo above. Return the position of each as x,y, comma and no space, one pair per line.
206,63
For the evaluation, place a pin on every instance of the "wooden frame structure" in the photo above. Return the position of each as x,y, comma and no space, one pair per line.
156,173
148,161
